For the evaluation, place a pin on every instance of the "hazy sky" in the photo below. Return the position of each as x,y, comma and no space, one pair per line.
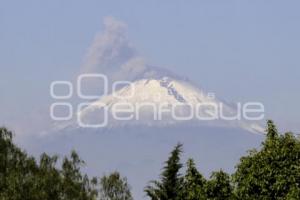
241,50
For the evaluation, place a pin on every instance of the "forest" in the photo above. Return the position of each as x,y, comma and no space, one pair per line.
271,172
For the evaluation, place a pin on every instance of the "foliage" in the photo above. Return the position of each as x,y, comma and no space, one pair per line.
269,173
170,185
114,187
194,183
273,172
17,171
22,178
219,186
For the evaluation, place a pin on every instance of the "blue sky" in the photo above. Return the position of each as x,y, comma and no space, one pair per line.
241,50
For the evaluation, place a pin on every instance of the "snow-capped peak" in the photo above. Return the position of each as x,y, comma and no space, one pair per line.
150,102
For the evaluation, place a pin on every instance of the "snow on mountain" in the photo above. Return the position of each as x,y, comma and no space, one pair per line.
162,102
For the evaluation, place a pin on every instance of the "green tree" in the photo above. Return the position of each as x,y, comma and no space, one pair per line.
194,183
17,170
294,194
170,185
75,185
273,172
48,175
22,178
219,186
114,187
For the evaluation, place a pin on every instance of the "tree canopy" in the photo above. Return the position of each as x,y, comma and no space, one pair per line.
271,172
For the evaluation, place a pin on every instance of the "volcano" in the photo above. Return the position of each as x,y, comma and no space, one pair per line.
137,139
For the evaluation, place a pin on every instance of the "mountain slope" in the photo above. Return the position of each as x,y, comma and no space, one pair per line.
162,102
